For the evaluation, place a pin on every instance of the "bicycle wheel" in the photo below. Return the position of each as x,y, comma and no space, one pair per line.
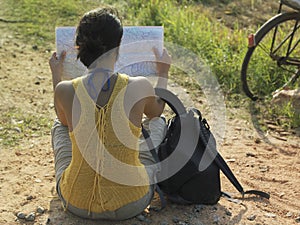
266,66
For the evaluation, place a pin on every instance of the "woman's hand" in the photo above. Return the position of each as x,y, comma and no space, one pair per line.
56,66
163,62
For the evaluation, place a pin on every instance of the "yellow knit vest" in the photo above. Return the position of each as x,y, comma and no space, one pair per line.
105,172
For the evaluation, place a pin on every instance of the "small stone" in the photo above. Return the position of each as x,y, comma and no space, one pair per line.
148,221
257,140
249,154
21,215
270,215
281,194
198,208
182,223
30,197
30,217
289,214
263,169
228,213
40,210
230,160
154,208
17,129
199,223
251,217
216,219
175,219
164,223
141,218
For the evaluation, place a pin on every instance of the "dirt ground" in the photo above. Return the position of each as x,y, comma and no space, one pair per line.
269,162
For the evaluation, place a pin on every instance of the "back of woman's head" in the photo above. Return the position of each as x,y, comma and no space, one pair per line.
98,32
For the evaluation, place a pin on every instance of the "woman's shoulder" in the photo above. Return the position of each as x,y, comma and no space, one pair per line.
64,89
140,83
139,80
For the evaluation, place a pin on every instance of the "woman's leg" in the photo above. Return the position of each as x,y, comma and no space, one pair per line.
62,148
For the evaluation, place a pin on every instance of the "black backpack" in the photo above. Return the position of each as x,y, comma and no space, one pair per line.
190,162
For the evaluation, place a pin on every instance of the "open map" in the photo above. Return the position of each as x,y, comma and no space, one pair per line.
136,57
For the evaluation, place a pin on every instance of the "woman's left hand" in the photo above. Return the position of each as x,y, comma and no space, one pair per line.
163,62
56,66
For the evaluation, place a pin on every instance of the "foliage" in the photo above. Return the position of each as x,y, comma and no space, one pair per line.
186,23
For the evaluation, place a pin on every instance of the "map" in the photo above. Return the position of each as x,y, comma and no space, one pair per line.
136,57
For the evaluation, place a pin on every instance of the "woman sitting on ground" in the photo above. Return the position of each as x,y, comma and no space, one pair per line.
103,168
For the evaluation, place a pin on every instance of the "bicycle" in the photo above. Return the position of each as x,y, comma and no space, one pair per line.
272,61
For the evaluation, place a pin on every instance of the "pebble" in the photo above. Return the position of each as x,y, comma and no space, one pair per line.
199,223
21,215
40,210
141,218
182,223
148,221
270,215
198,208
35,47
251,217
164,223
17,129
30,217
30,197
216,219
228,213
289,214
175,219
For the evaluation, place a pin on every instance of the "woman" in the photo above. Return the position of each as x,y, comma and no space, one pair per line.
103,169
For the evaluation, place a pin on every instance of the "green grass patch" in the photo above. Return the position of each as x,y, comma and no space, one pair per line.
17,125
36,20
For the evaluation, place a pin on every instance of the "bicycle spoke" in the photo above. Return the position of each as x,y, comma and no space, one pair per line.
273,62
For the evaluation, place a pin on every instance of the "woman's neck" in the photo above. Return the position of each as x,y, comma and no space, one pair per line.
106,62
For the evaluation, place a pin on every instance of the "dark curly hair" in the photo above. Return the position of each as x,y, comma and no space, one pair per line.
98,32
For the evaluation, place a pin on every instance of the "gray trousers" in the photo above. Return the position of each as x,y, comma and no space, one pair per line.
62,148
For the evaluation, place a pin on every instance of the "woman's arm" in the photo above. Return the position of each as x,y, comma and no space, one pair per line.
154,106
56,66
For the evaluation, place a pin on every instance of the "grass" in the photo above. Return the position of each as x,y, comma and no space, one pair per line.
186,23
17,125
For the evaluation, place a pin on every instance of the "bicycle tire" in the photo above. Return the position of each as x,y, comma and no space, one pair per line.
276,21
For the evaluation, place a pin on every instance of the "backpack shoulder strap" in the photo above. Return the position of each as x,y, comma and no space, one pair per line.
230,176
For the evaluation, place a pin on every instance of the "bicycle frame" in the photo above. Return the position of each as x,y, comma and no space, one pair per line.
295,4
286,60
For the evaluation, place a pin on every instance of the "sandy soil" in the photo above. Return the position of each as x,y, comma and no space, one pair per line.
266,162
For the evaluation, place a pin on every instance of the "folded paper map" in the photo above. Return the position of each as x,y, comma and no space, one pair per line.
136,57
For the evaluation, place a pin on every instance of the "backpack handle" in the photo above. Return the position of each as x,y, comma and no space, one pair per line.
172,100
